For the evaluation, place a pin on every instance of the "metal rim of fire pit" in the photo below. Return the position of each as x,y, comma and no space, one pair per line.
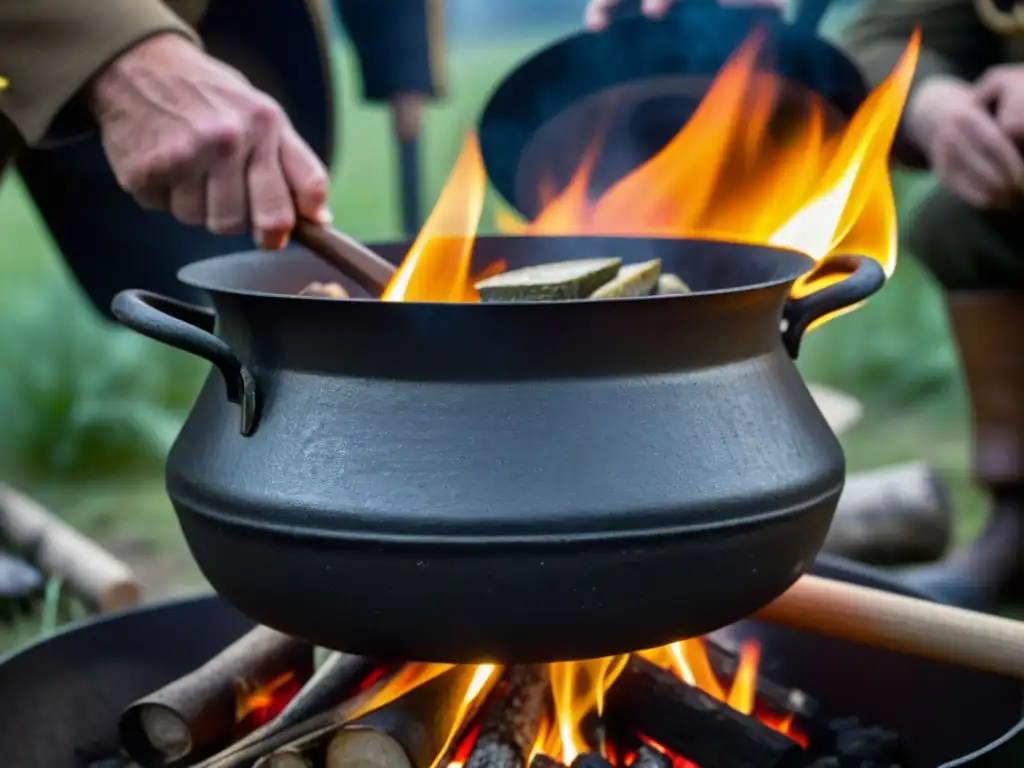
1005,751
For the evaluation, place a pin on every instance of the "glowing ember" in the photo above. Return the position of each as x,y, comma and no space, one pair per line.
814,190
258,704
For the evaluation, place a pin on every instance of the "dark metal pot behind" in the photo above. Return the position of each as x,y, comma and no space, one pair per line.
458,482
624,92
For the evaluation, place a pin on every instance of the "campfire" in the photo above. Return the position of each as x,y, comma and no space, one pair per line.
691,704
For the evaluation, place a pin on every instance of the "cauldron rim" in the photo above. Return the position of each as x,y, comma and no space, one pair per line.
792,265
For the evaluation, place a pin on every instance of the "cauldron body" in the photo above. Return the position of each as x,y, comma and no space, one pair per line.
536,481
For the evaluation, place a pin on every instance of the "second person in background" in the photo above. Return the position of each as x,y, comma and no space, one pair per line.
400,47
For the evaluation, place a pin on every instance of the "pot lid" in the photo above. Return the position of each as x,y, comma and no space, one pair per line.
636,82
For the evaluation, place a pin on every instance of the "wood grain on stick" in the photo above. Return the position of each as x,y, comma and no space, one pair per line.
902,624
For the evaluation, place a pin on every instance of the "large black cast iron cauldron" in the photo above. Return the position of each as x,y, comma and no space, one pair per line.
62,696
459,482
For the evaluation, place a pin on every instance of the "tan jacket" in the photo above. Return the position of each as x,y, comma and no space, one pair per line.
49,49
960,38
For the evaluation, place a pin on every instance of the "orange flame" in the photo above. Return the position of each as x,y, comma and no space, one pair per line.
729,174
256,704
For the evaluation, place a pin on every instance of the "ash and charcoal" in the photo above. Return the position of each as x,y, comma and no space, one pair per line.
651,719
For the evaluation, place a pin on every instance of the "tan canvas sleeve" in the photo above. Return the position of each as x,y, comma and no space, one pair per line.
49,49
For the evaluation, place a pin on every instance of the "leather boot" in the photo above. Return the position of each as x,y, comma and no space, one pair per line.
989,331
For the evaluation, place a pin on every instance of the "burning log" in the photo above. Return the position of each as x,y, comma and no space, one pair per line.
273,738
324,291
365,748
694,725
898,514
508,731
670,285
423,721
777,699
339,674
649,757
632,280
550,282
199,712
55,547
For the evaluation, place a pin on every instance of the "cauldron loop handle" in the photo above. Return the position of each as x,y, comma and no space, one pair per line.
864,277
190,329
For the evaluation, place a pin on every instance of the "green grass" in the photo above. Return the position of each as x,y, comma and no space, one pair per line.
89,410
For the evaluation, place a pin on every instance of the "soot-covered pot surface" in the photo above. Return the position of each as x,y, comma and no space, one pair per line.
520,481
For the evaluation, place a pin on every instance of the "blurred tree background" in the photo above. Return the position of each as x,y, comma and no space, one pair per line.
90,410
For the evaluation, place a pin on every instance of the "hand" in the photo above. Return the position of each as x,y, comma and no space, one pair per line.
598,12
1001,90
971,154
186,133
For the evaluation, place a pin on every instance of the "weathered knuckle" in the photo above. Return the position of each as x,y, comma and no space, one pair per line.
314,185
266,114
134,177
224,136
172,158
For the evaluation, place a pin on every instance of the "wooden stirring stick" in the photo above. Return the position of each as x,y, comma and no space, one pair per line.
902,624
350,257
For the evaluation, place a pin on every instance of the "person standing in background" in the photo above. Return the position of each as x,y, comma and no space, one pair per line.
400,47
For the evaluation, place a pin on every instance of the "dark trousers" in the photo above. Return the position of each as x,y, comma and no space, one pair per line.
967,249
108,242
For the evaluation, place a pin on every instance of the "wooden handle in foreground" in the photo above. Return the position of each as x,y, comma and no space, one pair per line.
903,624
57,548
350,257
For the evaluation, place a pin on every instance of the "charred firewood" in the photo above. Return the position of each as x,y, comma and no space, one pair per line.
543,761
861,745
670,285
776,699
423,721
594,731
694,725
510,727
333,680
649,757
632,280
550,282
365,748
199,713
324,291
590,760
